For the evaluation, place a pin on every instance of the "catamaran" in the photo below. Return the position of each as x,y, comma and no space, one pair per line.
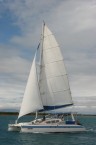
47,90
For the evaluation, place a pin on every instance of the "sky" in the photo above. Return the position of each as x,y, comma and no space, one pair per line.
73,22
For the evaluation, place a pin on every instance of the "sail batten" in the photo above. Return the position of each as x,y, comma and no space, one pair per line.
61,91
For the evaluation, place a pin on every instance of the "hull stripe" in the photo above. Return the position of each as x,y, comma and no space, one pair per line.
29,127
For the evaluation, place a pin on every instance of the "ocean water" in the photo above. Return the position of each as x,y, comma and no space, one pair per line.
16,138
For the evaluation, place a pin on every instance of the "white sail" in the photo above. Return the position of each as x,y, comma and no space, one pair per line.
53,89
54,85
31,100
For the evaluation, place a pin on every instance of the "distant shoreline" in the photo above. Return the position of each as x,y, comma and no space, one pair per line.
16,113
9,113
13,113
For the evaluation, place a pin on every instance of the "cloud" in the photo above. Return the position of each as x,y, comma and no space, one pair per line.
74,24
14,71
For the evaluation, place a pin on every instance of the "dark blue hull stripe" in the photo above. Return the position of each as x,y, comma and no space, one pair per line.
54,107
30,127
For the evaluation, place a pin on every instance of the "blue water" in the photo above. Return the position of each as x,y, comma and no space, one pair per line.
15,138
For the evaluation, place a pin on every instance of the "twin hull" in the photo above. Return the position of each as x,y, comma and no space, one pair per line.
13,127
47,128
52,129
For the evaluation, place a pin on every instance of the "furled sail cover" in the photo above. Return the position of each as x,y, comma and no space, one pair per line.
31,100
54,85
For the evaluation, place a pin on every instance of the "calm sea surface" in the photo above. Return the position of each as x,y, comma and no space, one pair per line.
15,138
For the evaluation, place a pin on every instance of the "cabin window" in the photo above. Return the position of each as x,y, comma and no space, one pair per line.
48,122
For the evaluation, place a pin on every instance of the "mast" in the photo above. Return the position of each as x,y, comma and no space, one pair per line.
42,39
41,52
37,81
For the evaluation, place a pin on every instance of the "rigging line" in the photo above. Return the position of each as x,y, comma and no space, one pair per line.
53,62
61,91
37,78
38,46
57,76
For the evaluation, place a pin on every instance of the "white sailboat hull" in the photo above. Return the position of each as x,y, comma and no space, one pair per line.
17,126
14,127
46,126
52,128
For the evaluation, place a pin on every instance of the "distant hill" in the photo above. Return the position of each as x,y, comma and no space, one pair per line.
9,110
8,113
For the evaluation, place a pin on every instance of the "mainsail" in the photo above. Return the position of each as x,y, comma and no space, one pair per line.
54,85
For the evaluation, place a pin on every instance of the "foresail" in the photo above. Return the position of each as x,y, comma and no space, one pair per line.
54,85
31,100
